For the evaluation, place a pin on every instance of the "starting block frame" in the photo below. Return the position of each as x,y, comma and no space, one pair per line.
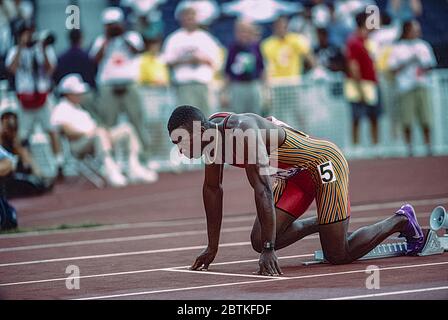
433,245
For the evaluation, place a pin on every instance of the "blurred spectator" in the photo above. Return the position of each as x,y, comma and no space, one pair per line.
7,162
206,10
347,10
6,39
411,59
338,30
86,136
244,70
150,25
328,55
116,53
285,52
32,62
8,215
146,18
26,180
383,40
303,24
193,54
9,139
404,10
320,13
153,70
361,86
22,13
260,11
76,60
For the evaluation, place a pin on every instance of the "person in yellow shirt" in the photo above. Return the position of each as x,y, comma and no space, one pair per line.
153,70
285,52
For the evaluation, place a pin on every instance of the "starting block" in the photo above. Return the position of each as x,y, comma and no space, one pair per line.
433,243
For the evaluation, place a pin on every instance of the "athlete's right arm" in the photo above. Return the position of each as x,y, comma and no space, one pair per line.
212,197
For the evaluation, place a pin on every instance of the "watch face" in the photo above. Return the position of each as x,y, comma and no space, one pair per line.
268,245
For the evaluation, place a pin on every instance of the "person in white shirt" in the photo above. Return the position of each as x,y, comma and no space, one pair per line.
86,136
6,16
32,62
193,54
410,61
116,53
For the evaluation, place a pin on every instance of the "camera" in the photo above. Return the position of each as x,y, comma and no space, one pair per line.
46,37
114,30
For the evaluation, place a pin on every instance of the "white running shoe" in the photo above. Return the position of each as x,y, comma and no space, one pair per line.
113,175
139,174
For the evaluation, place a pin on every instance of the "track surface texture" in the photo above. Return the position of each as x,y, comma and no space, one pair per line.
147,236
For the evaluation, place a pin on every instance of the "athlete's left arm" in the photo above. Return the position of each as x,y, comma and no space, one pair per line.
259,179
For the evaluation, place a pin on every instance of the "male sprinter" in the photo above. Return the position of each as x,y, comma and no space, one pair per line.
315,169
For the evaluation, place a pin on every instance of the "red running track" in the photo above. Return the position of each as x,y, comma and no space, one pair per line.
149,235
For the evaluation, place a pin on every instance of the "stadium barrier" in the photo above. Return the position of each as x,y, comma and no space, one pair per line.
319,108
315,106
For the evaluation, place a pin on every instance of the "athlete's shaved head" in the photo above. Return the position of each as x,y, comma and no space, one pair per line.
184,116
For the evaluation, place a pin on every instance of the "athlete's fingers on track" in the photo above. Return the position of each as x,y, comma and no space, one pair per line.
205,267
273,269
198,263
266,270
277,267
262,270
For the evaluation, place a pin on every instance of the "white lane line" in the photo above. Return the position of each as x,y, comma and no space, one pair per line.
398,204
145,271
356,208
223,274
80,277
392,293
140,293
152,236
125,226
251,260
121,239
109,204
121,254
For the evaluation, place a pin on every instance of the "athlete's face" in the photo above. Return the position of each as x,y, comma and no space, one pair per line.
190,145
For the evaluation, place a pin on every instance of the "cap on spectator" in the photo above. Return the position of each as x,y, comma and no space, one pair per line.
183,6
72,84
143,7
112,15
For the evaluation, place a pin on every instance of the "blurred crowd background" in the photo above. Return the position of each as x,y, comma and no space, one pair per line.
94,101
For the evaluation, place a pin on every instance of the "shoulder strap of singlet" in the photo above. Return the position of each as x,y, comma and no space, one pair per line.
225,115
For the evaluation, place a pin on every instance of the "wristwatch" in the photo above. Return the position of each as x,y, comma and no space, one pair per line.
268,245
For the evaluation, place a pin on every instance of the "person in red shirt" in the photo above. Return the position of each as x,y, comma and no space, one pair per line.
361,86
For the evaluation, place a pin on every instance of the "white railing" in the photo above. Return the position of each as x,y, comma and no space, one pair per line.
317,107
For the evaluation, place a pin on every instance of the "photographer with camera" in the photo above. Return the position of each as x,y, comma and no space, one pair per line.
26,180
116,53
8,215
32,62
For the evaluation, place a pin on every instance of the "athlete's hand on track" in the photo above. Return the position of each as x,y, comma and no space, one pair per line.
204,259
269,264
